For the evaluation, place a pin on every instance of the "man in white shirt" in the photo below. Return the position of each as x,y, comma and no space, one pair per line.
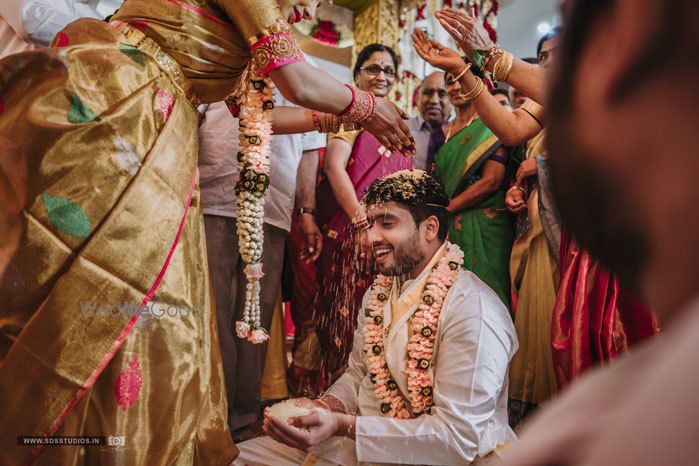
243,362
433,104
452,362
25,23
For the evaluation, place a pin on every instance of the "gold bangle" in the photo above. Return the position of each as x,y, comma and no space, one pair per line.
502,67
463,72
492,51
475,92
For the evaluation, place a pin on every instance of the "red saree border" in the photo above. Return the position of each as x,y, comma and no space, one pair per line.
200,12
125,333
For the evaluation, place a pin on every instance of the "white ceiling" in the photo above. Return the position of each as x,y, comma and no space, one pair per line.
518,21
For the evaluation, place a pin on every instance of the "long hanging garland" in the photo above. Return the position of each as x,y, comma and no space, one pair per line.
253,165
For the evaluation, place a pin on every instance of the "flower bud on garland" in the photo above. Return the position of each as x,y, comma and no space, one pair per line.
253,163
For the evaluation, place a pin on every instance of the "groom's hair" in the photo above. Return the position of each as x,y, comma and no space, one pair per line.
421,193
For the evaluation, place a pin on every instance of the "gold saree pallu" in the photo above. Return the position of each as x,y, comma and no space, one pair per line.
98,198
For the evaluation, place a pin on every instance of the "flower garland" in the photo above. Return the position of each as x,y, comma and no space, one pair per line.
253,164
424,325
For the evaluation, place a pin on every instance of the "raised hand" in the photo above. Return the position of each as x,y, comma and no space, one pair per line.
390,129
526,169
466,29
436,54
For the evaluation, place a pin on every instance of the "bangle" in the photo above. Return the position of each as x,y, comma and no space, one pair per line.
333,404
307,210
492,51
463,72
475,92
503,66
361,109
326,122
360,225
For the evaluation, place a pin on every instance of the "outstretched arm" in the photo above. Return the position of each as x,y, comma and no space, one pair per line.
292,120
470,35
309,87
510,127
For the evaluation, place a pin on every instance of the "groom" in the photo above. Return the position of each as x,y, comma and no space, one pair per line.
427,376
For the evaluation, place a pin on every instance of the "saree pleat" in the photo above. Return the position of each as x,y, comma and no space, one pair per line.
594,318
103,218
534,278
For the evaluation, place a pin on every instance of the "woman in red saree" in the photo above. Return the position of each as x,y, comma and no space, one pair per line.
595,319
353,160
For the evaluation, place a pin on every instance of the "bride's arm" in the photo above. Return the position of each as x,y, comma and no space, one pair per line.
309,87
292,120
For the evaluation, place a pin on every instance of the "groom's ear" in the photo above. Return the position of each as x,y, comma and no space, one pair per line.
431,228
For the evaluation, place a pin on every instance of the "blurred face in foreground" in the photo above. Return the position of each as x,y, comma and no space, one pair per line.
623,142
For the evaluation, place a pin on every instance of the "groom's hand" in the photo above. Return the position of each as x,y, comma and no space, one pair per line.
303,432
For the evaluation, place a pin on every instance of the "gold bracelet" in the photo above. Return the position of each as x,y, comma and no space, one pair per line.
502,67
326,122
475,92
492,51
463,72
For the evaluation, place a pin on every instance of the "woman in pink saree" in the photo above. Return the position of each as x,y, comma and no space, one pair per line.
353,160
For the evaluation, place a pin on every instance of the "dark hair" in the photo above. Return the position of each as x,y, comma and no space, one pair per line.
531,60
422,212
423,195
368,51
552,34
501,91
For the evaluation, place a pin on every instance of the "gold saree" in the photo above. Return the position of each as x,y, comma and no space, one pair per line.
106,320
534,277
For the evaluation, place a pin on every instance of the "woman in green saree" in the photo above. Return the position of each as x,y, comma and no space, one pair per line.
471,162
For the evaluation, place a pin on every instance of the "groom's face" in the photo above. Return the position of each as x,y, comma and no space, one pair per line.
396,240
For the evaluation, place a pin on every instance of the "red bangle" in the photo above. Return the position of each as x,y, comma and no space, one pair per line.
361,109
351,104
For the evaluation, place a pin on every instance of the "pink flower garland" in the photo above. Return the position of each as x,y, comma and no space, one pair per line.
420,345
253,162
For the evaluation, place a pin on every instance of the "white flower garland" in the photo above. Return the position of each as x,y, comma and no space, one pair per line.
424,324
253,163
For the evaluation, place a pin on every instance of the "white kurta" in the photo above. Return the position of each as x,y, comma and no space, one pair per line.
475,342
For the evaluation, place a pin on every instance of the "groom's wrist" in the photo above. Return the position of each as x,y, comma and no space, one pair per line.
346,425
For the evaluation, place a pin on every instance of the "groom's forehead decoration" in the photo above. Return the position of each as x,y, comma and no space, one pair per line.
409,187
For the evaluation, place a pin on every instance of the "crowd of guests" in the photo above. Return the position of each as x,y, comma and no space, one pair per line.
479,134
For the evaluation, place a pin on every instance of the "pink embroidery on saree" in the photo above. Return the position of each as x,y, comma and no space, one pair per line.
139,24
274,51
61,40
128,384
87,385
166,102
